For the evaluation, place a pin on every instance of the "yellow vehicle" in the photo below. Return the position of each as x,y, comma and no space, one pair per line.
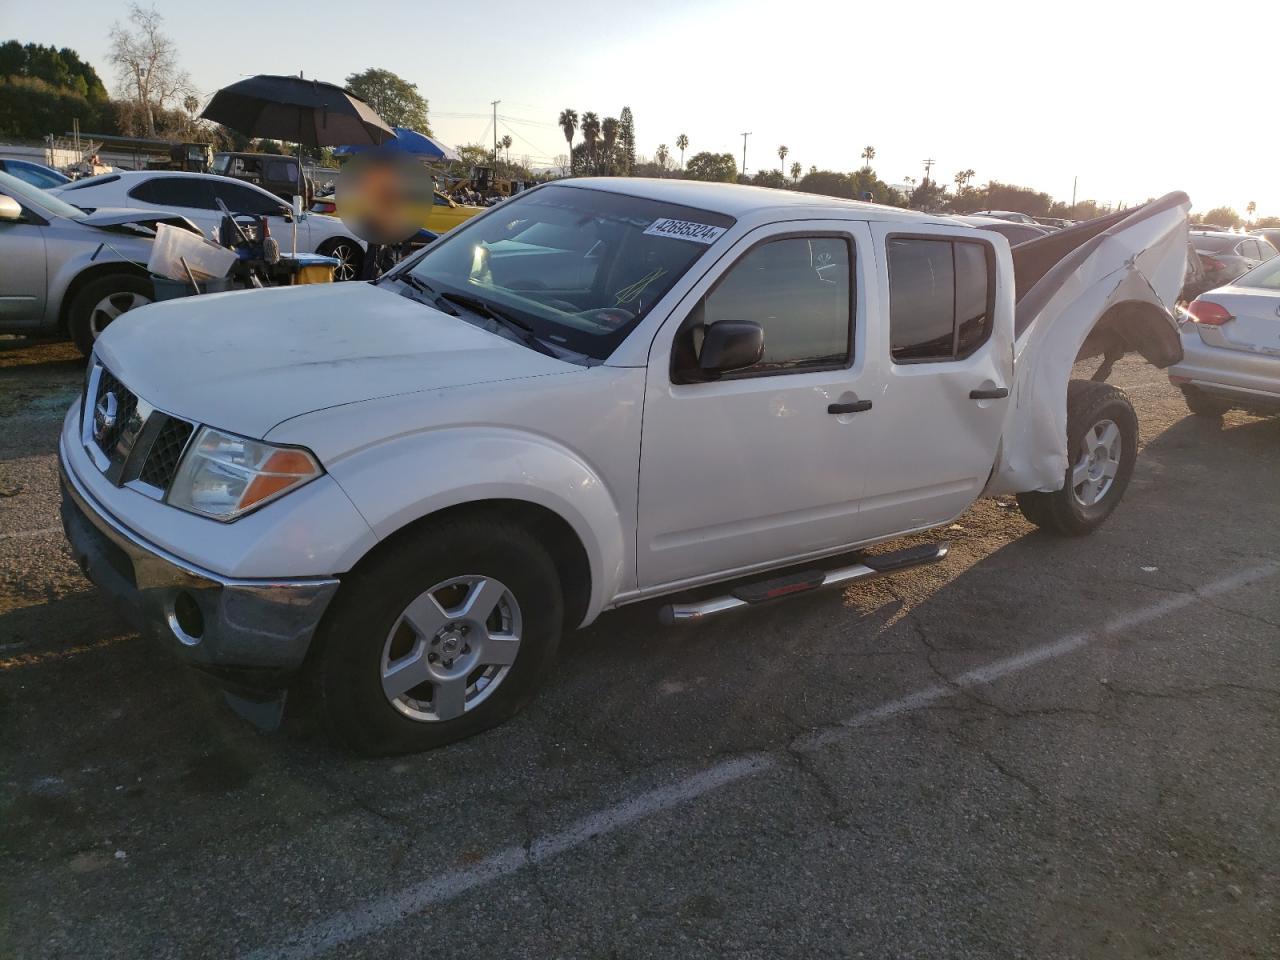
445,214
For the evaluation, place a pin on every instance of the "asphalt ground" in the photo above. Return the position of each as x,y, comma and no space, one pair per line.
1037,748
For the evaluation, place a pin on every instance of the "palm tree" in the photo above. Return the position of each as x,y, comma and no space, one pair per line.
506,145
590,133
662,156
569,123
795,171
1250,208
682,143
962,179
868,154
609,127
782,158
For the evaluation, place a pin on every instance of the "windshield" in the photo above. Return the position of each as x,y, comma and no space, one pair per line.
39,200
581,267
221,163
1265,276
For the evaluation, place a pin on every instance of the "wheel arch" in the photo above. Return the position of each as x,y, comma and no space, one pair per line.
1132,326
87,276
552,531
401,481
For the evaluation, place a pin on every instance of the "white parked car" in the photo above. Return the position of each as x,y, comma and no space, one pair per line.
1231,346
195,196
600,392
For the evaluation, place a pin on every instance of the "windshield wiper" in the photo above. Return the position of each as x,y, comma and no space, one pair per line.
424,288
522,329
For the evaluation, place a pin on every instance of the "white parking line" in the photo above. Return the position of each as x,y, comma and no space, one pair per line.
379,914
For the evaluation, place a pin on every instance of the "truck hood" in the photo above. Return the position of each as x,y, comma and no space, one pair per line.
248,360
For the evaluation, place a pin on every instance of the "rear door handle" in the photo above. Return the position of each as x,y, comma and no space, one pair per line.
995,393
854,406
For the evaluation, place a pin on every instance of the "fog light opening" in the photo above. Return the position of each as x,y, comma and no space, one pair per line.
186,619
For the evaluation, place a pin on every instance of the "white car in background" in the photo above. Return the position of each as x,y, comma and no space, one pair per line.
195,196
1231,346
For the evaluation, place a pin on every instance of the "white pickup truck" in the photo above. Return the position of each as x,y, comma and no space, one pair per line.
395,495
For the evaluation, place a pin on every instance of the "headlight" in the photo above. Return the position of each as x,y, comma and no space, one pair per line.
225,476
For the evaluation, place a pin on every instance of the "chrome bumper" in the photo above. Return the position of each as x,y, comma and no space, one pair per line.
211,620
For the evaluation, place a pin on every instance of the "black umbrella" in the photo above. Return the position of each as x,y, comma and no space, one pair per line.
306,112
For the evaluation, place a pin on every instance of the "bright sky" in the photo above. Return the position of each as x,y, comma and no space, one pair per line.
1027,93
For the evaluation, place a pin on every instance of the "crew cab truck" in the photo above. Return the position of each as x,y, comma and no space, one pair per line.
393,496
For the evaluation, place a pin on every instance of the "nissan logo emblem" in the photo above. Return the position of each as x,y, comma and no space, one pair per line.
104,416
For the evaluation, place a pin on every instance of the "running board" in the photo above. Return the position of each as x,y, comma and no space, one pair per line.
749,594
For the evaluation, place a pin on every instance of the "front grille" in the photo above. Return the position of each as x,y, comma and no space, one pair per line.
142,444
126,406
166,450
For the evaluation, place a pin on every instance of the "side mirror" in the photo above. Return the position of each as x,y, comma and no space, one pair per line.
10,209
730,345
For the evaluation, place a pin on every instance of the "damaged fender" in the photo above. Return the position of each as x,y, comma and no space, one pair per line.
1101,288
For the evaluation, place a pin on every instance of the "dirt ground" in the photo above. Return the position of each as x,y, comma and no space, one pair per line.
1038,748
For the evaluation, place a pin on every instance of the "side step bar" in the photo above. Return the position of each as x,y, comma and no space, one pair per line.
868,568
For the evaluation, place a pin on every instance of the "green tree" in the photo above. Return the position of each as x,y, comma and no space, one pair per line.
782,157
868,154
609,139
627,140
796,170
505,144
395,99
716,167
1250,209
770,178
662,157
590,134
1267,222
1223,216
682,144
829,183
569,125
61,69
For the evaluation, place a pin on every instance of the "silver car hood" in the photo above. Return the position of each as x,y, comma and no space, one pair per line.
108,217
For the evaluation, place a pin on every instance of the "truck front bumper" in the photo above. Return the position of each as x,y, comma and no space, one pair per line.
222,624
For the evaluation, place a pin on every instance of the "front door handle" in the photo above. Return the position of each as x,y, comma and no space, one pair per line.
854,406
995,393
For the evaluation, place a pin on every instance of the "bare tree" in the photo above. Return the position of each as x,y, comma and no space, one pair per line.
146,63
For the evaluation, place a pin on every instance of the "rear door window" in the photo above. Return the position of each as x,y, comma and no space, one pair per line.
941,298
242,199
193,192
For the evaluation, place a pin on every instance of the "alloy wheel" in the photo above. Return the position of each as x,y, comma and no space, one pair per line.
1099,460
111,306
451,648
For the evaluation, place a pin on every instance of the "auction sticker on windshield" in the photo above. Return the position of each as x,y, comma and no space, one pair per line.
684,230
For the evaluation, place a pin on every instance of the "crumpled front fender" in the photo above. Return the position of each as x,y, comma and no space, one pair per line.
1096,289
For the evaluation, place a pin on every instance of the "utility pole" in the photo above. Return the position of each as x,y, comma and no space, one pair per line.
495,136
744,152
1074,182
928,165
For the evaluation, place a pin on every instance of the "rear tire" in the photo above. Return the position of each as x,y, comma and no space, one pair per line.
100,302
381,628
1203,405
1102,445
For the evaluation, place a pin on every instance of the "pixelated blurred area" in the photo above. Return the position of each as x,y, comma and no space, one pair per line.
384,197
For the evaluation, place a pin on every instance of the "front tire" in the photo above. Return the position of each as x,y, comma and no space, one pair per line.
449,632
349,256
1102,441
100,302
